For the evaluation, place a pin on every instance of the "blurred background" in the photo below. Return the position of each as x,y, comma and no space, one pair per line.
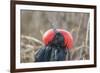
35,23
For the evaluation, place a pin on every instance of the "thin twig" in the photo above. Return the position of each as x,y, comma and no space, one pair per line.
87,33
32,38
41,32
78,30
74,29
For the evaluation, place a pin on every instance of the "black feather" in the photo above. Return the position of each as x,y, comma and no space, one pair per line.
54,51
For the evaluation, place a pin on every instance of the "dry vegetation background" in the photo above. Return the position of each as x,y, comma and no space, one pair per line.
35,23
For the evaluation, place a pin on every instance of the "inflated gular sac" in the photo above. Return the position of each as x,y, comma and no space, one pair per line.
49,35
